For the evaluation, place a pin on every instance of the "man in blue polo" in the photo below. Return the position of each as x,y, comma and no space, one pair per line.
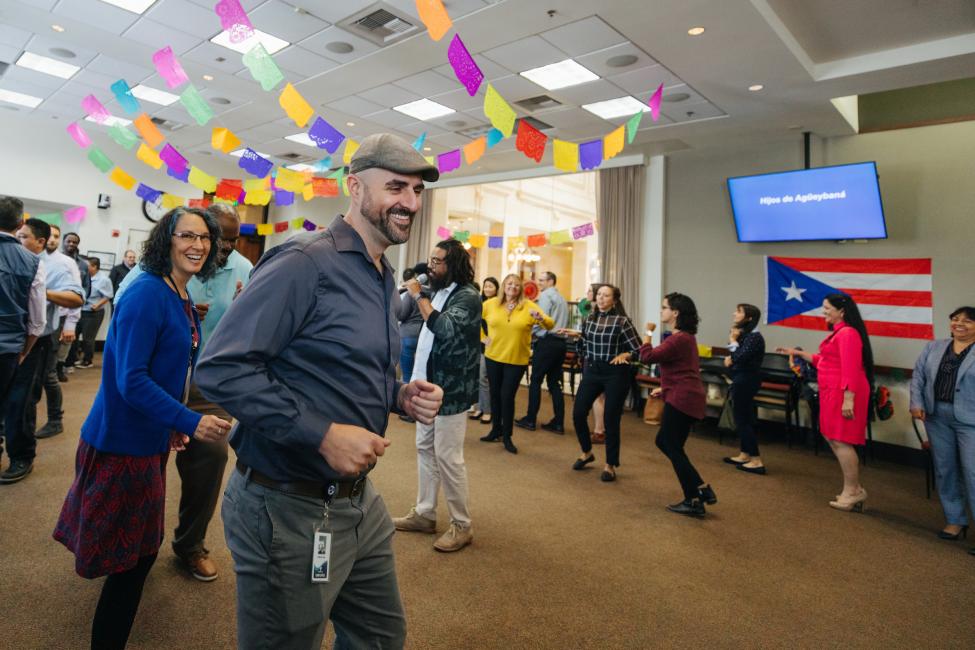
306,361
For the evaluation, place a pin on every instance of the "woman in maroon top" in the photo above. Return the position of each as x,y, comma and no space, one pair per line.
684,397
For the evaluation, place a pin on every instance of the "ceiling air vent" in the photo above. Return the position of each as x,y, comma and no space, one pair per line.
533,104
380,23
167,125
294,157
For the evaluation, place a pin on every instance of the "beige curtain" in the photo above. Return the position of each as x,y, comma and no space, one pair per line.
421,234
620,192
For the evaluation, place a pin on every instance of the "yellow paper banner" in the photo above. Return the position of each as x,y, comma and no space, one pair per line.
202,180
257,197
295,106
224,140
265,229
497,110
297,224
515,242
351,146
308,192
474,150
560,237
614,142
257,185
148,156
477,241
171,201
123,180
289,180
565,155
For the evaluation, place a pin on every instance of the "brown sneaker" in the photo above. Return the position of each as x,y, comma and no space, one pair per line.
414,522
201,566
454,539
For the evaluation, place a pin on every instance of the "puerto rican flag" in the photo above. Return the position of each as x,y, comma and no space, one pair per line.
893,295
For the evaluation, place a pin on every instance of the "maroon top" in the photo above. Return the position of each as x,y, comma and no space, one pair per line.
680,372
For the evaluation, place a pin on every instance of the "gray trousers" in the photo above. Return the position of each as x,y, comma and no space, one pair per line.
270,535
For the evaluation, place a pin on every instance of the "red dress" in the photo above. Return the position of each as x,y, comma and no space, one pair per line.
839,366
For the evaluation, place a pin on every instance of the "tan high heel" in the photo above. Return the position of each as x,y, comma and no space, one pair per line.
850,504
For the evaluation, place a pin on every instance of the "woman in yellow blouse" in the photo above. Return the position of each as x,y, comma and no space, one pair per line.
509,319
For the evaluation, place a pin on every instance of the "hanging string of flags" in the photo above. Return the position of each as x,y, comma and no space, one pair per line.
485,240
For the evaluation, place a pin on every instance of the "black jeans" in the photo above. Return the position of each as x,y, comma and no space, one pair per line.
19,411
8,368
49,382
88,326
547,359
675,426
743,407
118,605
503,379
601,377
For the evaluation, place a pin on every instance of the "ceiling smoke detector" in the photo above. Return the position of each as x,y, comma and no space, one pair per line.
380,23
676,97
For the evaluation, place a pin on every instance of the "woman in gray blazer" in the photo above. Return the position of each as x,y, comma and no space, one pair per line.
943,396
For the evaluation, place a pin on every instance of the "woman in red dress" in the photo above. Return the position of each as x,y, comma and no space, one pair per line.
845,370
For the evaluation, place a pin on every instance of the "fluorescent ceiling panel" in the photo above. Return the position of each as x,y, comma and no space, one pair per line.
155,96
560,75
612,108
19,98
424,109
135,6
302,138
111,121
302,167
271,43
240,152
47,65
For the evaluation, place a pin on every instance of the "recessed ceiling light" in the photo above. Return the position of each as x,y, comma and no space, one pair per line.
19,98
350,123
424,109
427,149
208,77
302,138
456,124
560,75
223,101
302,167
160,97
57,28
676,97
47,65
111,121
619,107
271,43
695,31
755,88
240,152
339,47
622,60
135,6
62,53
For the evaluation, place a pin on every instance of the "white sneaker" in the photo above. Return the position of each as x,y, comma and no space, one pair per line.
455,538
414,522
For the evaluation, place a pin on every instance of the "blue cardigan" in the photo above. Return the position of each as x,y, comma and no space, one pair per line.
147,353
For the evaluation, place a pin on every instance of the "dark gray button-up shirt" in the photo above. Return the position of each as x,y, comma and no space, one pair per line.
312,340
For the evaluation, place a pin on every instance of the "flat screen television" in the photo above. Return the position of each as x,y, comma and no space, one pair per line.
838,202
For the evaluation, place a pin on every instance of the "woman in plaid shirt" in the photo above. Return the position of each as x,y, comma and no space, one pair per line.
607,341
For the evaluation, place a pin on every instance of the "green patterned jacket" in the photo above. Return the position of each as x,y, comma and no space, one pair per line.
455,358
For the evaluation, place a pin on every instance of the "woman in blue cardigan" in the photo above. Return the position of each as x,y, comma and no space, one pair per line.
112,518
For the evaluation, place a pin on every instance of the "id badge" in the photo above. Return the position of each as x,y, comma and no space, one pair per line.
320,557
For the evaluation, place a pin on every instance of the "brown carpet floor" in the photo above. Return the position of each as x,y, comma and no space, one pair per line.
561,560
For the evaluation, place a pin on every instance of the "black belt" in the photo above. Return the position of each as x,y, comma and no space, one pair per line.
325,490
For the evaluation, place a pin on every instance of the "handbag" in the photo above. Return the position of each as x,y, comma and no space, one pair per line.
653,410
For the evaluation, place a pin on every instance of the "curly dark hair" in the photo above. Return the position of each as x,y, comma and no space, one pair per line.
852,317
156,250
458,261
687,318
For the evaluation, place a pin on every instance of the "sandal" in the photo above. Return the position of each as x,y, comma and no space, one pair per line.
486,418
475,415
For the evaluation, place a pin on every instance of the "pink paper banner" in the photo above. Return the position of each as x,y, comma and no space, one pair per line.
234,20
169,68
464,66
79,135
74,215
585,230
654,102
448,162
444,233
95,109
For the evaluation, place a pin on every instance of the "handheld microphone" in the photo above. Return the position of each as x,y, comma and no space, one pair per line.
422,271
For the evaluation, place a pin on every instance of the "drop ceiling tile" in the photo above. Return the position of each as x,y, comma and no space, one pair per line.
588,93
429,83
120,69
282,20
44,44
598,62
319,42
389,95
415,129
334,12
9,53
573,119
25,87
14,36
96,83
300,61
648,123
46,5
74,90
645,80
515,88
220,58
157,35
583,36
173,113
459,100
390,118
457,8
489,68
694,97
67,110
280,147
459,121
97,14
354,105
188,17
263,134
683,112
448,141
248,5
525,54
33,77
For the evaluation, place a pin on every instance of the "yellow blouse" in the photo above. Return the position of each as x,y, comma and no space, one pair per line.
511,333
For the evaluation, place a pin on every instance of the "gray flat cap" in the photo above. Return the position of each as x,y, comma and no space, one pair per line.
387,151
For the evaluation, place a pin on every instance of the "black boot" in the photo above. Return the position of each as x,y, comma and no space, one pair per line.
509,446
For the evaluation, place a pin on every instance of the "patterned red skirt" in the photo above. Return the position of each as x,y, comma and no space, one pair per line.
114,512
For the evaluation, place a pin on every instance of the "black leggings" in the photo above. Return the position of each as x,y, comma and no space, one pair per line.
601,378
503,379
117,606
743,406
674,429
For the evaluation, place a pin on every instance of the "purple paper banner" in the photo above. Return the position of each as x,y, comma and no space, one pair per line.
284,197
325,135
309,225
448,162
585,230
180,175
495,242
147,193
591,154
464,66
173,159
248,229
253,164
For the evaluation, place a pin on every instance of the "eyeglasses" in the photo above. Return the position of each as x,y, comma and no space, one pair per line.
190,237
436,261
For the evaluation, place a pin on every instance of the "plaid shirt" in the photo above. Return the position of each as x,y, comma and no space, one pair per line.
605,335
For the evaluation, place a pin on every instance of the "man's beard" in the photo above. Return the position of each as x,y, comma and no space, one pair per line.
382,223
437,282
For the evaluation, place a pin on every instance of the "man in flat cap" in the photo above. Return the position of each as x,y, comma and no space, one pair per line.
305,360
